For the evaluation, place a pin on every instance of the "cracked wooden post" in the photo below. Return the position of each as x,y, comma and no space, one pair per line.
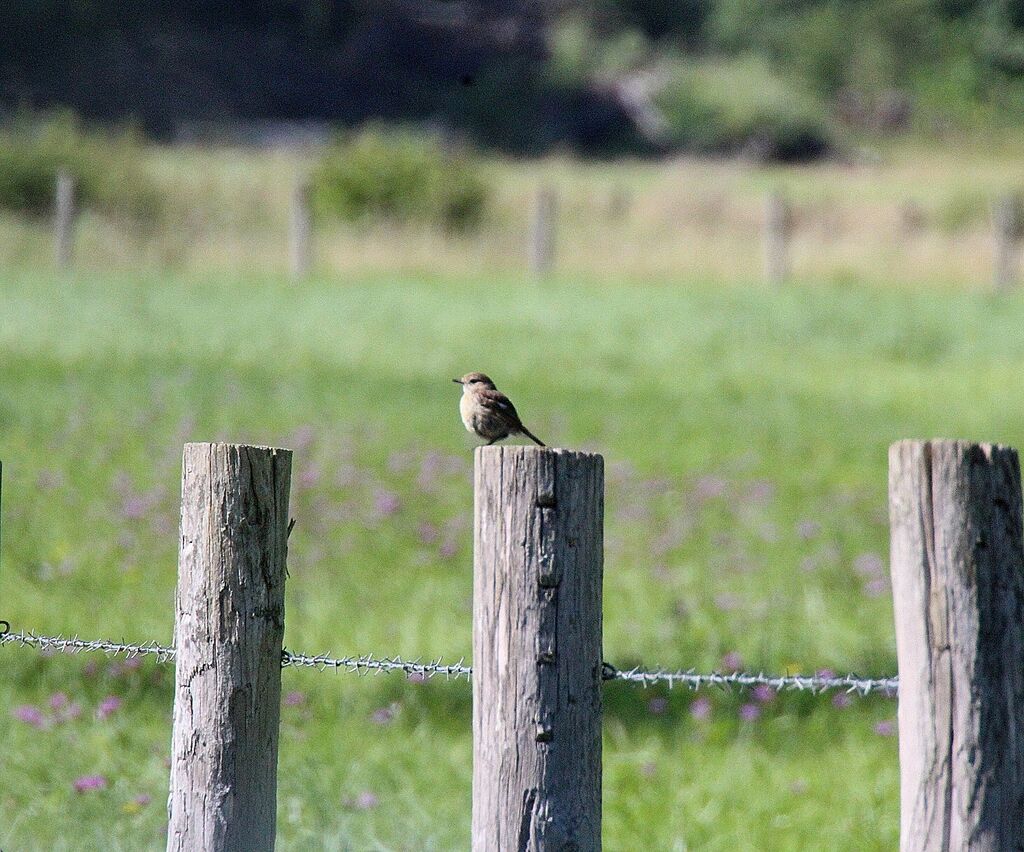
538,560
958,595
228,631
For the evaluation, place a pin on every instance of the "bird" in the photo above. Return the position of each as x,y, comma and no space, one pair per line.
487,412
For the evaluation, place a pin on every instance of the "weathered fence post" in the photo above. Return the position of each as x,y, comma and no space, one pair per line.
300,232
777,226
537,649
957,562
228,632
540,248
63,218
1008,228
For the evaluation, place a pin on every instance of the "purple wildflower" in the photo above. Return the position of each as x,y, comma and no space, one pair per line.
386,503
58,700
427,533
417,677
29,715
875,587
309,476
89,782
760,491
108,706
294,699
133,507
763,694
657,706
885,728
366,800
700,709
142,800
709,487
732,661
869,565
448,549
383,715
749,712
841,700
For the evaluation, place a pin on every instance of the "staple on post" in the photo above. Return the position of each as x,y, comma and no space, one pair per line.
537,667
228,631
63,218
957,561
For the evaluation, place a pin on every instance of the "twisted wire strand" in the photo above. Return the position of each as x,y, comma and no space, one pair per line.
370,664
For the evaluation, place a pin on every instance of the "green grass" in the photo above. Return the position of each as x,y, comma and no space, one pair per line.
745,436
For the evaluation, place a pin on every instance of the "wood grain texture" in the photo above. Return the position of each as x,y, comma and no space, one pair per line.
957,564
228,633
538,558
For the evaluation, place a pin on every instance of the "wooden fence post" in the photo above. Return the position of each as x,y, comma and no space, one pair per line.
63,218
1008,227
537,649
777,227
541,239
958,597
228,633
300,232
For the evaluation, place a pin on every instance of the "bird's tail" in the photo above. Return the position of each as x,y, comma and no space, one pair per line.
531,436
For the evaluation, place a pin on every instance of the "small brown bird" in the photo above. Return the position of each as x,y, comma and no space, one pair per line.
487,412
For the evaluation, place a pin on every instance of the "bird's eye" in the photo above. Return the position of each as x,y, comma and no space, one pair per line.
473,381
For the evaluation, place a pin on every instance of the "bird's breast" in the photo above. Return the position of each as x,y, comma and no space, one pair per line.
466,411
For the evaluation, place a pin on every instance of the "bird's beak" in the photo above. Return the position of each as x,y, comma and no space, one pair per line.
457,381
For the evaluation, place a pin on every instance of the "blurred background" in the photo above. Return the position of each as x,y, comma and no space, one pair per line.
736,246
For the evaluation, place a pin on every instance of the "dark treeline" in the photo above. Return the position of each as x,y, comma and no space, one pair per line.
527,76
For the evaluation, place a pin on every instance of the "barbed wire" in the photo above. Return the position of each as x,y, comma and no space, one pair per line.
368,663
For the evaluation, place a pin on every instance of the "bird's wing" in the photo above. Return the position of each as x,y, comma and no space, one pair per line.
496,401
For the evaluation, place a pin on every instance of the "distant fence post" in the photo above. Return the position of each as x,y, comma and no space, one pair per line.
778,222
541,238
63,218
228,633
537,649
300,232
958,597
1008,228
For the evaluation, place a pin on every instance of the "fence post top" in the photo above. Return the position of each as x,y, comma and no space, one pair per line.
195,445
952,443
492,451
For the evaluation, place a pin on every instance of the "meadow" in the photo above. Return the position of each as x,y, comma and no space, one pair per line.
744,430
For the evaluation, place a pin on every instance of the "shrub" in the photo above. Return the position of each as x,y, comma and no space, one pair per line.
107,167
741,105
399,176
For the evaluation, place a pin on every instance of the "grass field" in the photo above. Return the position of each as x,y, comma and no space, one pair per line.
745,435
